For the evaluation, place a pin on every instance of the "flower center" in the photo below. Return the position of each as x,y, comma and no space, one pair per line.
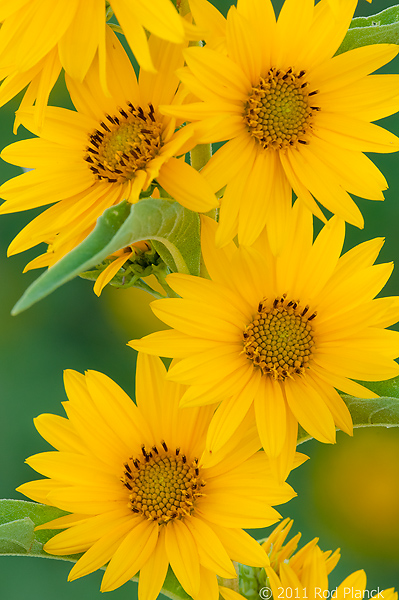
124,144
280,338
278,111
162,484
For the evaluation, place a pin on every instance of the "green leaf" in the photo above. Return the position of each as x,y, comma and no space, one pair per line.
377,412
173,230
17,537
18,520
382,28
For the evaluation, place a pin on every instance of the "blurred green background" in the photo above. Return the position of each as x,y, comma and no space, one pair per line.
347,493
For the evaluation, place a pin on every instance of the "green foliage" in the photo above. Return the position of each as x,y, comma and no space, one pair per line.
382,28
18,520
174,232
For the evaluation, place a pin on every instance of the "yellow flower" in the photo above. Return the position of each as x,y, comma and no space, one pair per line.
280,332
281,553
296,117
304,573
143,492
301,573
39,37
111,149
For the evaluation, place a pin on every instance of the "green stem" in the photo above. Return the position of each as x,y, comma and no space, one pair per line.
141,285
161,279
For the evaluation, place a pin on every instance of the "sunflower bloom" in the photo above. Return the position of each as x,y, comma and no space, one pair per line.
302,573
143,492
39,37
108,150
295,117
280,333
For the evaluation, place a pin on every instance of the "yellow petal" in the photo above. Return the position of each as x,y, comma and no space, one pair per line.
183,556
109,272
131,555
187,186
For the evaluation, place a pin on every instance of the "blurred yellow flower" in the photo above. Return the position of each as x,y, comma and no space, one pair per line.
296,116
111,149
303,573
280,333
39,37
143,492
281,552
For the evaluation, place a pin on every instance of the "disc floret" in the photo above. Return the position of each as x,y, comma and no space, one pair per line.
280,339
124,143
163,485
279,110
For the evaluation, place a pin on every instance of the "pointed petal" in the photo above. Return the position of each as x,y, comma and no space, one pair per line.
132,554
270,414
310,410
153,572
212,554
183,556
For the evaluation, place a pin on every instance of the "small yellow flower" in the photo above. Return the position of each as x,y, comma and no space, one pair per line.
39,37
304,573
281,552
110,149
301,573
143,492
280,333
296,117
